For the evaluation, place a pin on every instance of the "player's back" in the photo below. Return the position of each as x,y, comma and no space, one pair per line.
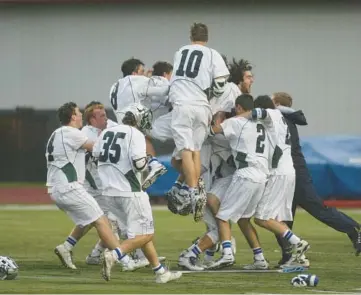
250,147
195,67
157,104
65,157
116,149
279,136
128,90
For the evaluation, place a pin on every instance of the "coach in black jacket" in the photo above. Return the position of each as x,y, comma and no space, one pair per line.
305,194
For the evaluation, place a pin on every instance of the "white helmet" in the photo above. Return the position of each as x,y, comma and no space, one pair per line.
138,114
8,268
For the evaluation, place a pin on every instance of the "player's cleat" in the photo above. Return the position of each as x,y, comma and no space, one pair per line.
294,261
224,261
107,260
167,277
65,256
155,171
140,263
257,265
92,260
285,258
301,248
199,203
355,237
190,263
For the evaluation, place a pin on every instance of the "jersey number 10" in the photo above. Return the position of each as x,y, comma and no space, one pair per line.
193,64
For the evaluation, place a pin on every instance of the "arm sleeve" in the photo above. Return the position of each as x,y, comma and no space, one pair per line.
219,66
138,147
228,129
152,89
286,110
77,139
97,146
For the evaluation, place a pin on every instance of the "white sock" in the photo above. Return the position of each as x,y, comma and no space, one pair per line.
70,243
118,255
258,254
193,251
159,269
291,237
227,248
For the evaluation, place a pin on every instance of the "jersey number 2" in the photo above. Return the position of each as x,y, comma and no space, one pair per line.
193,64
260,139
111,148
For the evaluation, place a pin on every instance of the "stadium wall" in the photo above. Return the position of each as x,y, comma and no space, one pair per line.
50,54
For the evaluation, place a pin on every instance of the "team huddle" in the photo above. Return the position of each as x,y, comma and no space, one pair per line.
232,152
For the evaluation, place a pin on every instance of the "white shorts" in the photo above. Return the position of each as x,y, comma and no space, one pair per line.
161,128
241,199
190,126
277,200
103,203
134,212
78,204
220,186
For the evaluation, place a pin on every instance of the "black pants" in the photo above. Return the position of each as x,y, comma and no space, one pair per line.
306,197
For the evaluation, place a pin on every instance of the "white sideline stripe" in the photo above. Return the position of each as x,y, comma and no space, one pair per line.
51,207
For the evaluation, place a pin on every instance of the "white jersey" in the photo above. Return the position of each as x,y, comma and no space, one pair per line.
196,67
136,89
224,103
65,158
227,100
116,148
279,135
92,181
158,104
250,147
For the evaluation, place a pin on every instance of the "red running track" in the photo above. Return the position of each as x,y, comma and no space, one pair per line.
38,195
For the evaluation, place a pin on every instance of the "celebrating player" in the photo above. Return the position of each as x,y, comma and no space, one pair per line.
135,87
198,68
65,154
121,152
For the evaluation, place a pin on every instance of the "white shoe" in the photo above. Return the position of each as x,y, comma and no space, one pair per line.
190,263
65,256
301,248
257,265
108,260
156,170
294,261
167,277
92,260
224,261
140,263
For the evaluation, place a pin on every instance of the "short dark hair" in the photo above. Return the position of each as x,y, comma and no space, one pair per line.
199,32
129,119
245,101
131,65
161,67
237,70
264,102
65,112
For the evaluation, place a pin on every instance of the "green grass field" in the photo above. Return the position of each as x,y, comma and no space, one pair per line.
30,237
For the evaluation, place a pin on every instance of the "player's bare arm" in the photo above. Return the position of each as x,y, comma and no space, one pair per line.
88,145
